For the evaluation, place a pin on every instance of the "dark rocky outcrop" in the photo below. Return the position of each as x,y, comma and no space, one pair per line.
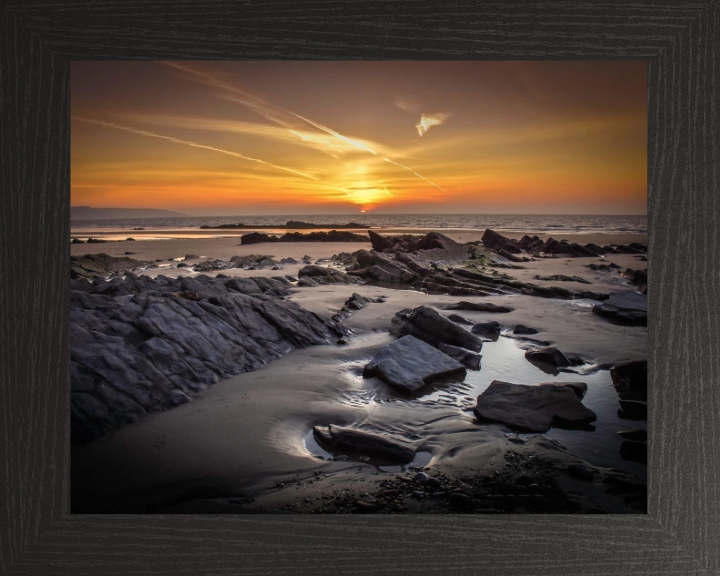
498,242
562,278
427,324
480,307
433,247
354,303
141,345
483,328
532,408
427,268
332,236
313,275
633,409
551,247
103,265
630,375
408,364
341,438
470,360
291,224
626,307
521,330
549,355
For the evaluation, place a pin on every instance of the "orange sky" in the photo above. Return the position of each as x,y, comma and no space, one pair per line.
209,138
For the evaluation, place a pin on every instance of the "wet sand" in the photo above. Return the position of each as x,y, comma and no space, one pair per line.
247,435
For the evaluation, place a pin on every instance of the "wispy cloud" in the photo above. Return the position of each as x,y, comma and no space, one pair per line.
285,117
192,144
427,120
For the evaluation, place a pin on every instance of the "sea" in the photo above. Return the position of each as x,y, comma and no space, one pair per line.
560,224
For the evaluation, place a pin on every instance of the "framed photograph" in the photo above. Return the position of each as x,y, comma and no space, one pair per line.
286,287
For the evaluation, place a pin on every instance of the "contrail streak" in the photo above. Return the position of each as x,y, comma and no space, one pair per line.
269,111
190,143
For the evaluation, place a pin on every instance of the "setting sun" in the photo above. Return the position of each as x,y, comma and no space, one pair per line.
271,137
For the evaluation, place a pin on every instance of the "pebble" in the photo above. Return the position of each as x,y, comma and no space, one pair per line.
421,477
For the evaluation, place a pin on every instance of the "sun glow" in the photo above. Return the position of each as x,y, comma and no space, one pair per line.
299,137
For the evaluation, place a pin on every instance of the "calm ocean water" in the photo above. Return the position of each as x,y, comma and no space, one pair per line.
502,223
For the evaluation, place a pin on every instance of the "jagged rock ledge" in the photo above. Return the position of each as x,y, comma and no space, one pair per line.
141,345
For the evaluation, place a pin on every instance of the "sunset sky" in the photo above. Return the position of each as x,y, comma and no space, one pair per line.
225,138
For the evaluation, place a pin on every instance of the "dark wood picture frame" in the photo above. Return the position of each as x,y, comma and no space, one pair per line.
680,42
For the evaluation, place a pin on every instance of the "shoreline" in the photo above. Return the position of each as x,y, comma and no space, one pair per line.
240,446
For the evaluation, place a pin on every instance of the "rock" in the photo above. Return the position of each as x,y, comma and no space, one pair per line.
182,265
462,501
338,438
562,278
520,329
470,360
629,375
638,435
332,236
138,344
634,409
626,307
76,241
342,341
532,408
459,319
579,388
497,242
91,265
479,307
96,241
129,239
420,477
482,328
580,472
433,483
634,451
365,507
549,355
322,275
408,364
428,325
191,257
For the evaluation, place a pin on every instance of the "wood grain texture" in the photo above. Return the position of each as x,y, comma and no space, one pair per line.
680,41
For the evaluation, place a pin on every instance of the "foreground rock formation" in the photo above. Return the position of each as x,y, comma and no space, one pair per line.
427,324
534,408
626,307
141,345
340,438
428,264
332,236
551,247
91,265
408,364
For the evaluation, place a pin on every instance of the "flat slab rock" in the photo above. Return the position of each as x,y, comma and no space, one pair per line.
534,408
627,307
408,364
339,438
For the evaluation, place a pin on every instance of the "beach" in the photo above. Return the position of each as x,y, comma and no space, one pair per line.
246,443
